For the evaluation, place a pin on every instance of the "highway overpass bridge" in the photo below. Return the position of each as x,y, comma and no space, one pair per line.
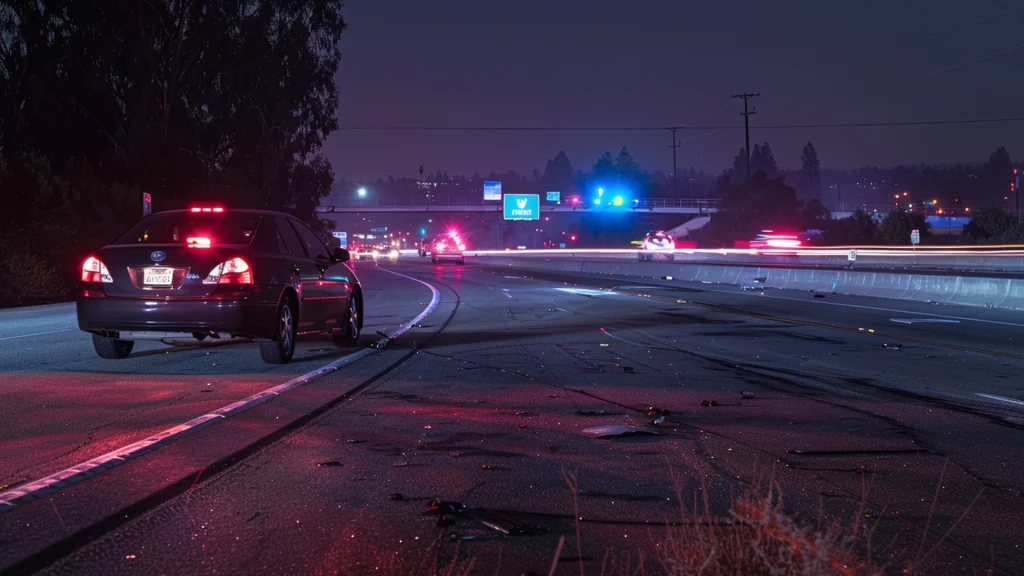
650,205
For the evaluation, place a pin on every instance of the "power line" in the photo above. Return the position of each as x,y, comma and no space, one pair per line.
903,123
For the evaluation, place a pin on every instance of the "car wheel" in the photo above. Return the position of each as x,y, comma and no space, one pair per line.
281,349
462,262
433,260
112,348
350,337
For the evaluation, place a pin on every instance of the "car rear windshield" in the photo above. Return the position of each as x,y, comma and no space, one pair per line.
222,229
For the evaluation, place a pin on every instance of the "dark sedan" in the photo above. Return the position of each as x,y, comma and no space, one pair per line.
214,273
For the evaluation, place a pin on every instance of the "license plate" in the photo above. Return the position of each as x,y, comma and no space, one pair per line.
157,276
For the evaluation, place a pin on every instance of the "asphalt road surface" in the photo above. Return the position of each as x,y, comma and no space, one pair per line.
900,421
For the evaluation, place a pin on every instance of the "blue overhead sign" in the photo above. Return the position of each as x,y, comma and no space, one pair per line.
521,207
555,197
492,190
342,238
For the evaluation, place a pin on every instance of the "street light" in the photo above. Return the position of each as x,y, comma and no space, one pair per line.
361,192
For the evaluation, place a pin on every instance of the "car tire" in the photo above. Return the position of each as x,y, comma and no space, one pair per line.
462,262
350,337
112,348
640,257
281,349
433,260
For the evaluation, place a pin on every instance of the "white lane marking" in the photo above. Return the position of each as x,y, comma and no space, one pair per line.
507,294
1000,398
36,334
924,321
513,277
15,497
504,289
586,292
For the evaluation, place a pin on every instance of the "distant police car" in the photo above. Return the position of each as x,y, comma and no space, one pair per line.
448,247
213,273
657,242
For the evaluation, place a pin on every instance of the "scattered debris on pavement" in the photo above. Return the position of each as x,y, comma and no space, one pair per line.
708,403
613,430
601,412
888,346
329,464
396,497
747,395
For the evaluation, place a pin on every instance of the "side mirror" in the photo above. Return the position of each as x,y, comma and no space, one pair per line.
340,255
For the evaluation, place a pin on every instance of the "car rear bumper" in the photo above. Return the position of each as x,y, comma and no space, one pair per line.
239,317
447,255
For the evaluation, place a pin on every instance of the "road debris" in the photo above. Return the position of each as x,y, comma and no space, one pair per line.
352,441
522,426
329,464
487,467
400,463
708,403
614,430
819,295
888,346
747,395
601,412
396,497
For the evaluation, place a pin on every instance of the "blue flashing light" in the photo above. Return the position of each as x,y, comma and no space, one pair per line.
618,201
600,191
423,231
597,201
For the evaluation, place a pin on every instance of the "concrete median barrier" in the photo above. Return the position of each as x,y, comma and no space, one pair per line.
975,289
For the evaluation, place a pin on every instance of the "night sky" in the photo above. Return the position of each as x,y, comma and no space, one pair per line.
659,63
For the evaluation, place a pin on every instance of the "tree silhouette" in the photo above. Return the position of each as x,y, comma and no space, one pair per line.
763,160
997,175
558,173
810,171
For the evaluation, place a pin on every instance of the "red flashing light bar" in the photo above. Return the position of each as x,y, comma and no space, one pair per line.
196,209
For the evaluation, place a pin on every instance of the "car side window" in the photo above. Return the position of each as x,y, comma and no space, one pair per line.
314,247
291,240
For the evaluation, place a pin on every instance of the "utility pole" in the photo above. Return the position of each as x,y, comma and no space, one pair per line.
675,172
746,122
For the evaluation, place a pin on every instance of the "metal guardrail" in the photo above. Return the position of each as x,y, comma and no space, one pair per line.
1006,260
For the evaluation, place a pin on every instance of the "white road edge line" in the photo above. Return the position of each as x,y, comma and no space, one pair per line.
924,321
15,497
844,305
36,334
1001,398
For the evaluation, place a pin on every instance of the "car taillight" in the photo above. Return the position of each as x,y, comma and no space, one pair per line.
462,246
783,242
234,271
198,242
95,271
